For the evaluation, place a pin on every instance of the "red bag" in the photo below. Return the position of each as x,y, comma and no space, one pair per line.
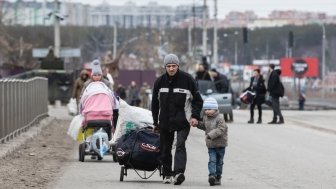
247,97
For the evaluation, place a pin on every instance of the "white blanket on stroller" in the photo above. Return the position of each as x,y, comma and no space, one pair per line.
139,117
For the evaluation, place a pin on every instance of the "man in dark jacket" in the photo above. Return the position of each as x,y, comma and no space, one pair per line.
202,72
221,81
275,89
176,105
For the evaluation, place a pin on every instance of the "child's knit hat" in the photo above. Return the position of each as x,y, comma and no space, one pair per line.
210,103
96,69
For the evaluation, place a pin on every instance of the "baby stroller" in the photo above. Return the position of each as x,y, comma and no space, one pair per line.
96,106
139,150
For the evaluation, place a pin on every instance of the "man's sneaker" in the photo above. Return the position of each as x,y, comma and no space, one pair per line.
218,180
212,180
179,178
167,180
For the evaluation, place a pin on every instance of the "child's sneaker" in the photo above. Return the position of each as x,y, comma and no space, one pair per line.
212,180
218,180
179,178
167,180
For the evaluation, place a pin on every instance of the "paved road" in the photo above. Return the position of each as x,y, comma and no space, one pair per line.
294,155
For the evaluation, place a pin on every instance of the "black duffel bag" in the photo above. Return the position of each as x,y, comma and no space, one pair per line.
139,149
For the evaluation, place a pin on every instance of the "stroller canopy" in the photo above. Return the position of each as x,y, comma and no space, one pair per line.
97,102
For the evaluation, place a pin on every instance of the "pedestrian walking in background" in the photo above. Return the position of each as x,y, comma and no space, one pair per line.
133,94
202,73
215,138
176,105
108,76
276,90
302,99
79,84
220,80
144,95
121,92
257,86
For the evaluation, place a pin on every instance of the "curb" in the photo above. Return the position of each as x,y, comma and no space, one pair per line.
311,126
11,146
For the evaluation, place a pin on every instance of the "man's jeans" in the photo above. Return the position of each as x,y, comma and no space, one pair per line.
215,165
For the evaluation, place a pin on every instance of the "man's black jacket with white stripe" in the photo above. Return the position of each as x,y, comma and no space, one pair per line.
175,100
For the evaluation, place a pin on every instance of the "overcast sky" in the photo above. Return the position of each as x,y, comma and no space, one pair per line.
261,7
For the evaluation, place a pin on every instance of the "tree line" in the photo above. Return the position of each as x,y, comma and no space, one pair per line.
17,42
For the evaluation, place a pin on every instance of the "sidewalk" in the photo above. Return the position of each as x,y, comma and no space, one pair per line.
59,112
55,112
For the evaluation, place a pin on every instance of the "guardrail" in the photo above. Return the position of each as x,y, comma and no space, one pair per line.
22,103
59,82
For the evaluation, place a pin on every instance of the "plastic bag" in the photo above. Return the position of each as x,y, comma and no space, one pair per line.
133,116
130,126
75,126
100,137
72,106
75,129
247,97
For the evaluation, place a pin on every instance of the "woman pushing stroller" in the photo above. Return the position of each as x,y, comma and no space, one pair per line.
96,105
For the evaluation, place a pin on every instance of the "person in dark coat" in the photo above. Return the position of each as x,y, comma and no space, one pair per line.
257,86
202,73
121,91
221,81
176,106
79,84
133,94
275,89
302,99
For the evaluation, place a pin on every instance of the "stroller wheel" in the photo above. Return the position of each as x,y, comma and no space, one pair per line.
122,170
81,153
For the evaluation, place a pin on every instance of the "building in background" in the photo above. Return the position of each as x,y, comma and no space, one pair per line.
131,16
153,15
